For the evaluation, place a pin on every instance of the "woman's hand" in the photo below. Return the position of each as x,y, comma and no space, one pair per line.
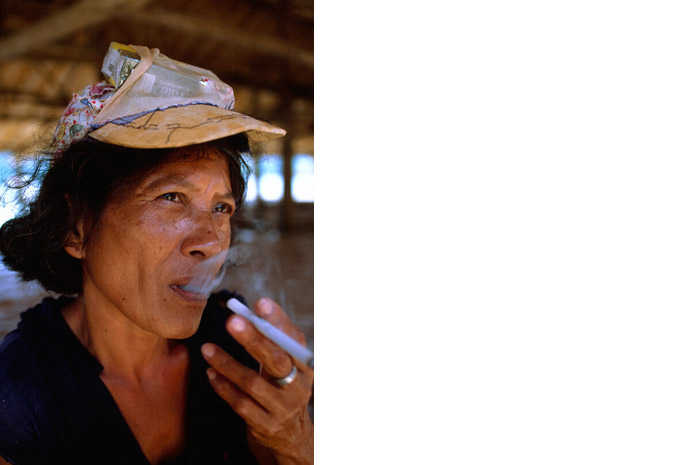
277,417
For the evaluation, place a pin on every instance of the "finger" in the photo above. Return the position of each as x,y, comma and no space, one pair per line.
234,379
275,360
298,391
250,411
246,379
270,396
274,314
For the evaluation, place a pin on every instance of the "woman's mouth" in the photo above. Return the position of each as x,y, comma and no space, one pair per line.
188,295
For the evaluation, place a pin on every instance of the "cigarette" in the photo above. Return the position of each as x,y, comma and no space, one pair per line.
281,339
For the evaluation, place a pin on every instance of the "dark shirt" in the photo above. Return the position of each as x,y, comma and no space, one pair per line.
55,409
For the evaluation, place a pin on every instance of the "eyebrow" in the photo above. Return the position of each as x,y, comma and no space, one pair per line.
179,181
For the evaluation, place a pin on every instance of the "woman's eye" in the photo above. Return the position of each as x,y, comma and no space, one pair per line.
223,208
171,196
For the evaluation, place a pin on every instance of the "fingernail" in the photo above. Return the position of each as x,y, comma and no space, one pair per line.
265,307
207,350
211,374
238,324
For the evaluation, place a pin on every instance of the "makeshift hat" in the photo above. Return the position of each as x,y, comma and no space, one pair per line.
152,101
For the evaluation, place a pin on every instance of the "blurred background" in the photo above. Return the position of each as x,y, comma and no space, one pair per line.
263,48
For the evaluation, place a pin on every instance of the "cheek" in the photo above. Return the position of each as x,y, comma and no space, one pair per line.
159,233
158,229
224,230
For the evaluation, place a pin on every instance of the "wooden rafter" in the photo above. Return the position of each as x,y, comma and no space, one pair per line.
60,24
212,30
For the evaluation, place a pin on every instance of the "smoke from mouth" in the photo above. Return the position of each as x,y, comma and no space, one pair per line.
209,273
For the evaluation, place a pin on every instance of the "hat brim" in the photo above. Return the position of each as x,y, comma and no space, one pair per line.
182,126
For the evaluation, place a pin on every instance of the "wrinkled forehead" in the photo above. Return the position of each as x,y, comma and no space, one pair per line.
178,165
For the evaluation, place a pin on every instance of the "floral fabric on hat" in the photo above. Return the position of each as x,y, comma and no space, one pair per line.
77,118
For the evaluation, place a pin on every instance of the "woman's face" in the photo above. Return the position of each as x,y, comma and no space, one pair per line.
146,245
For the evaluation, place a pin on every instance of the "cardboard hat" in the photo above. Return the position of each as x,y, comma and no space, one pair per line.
152,101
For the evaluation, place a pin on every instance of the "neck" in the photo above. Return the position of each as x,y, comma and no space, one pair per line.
123,349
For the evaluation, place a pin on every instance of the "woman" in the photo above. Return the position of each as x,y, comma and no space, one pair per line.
142,186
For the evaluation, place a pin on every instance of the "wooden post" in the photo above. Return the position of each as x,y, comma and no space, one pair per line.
286,96
287,202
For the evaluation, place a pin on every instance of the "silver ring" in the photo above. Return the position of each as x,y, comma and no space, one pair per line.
288,379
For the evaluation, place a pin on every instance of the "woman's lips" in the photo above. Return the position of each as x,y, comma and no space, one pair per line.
188,296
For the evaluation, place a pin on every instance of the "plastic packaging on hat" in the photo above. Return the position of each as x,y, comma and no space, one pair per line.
156,83
169,83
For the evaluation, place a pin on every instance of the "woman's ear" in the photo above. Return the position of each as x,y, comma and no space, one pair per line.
75,245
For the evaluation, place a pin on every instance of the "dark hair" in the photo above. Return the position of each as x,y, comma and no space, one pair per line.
76,186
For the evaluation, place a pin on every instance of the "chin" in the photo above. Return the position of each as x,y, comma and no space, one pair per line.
181,327
180,334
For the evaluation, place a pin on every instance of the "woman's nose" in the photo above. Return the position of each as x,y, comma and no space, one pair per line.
205,238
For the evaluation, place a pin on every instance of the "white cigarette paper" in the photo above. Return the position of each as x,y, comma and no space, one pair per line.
283,340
